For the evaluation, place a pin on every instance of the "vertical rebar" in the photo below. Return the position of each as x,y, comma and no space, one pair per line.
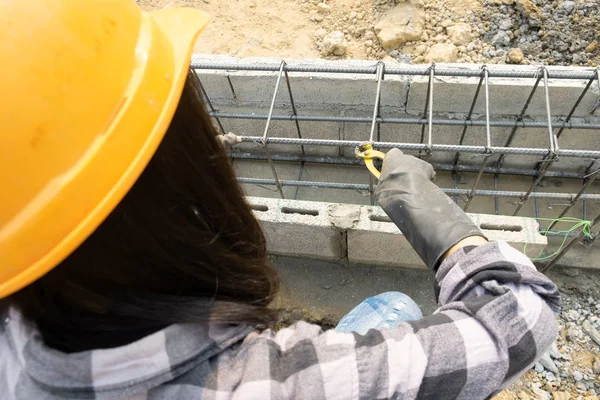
544,164
376,110
511,136
208,102
585,90
428,113
264,138
496,197
294,112
488,135
380,71
469,116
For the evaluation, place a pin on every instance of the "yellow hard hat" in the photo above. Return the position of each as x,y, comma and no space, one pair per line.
87,91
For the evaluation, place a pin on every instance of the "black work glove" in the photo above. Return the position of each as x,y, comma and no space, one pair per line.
431,222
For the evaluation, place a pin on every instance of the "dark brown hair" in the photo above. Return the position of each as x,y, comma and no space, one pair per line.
182,246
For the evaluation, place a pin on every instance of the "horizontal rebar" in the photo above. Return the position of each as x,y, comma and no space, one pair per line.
419,146
408,121
409,70
436,166
449,191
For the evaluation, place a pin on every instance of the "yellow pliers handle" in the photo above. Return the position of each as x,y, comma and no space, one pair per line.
366,152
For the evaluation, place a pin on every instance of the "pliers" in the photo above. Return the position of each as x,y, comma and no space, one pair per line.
366,152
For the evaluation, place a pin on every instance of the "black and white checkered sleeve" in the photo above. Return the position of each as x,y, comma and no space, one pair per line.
496,317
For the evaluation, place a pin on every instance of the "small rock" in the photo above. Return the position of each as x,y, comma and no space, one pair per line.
539,368
561,396
360,16
542,394
446,23
596,365
323,8
591,331
327,287
515,56
523,395
553,351
581,387
335,44
353,15
442,53
505,25
318,18
419,50
459,34
401,24
592,47
566,6
578,376
501,39
369,35
547,362
572,315
320,33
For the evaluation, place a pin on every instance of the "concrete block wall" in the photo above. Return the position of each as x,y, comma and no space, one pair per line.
364,234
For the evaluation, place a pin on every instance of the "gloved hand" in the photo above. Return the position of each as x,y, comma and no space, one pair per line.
431,222
229,140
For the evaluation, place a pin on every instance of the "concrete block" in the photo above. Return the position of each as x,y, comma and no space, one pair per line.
376,240
298,228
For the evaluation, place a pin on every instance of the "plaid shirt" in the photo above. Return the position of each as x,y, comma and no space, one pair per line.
496,317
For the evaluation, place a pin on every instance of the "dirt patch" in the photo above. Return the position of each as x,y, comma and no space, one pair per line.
554,32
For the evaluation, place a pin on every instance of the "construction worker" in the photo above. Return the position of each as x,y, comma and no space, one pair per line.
132,268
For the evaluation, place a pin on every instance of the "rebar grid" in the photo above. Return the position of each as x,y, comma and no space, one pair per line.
549,155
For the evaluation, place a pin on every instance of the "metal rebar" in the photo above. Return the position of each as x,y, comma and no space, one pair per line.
519,120
592,177
523,72
428,112
408,121
551,139
570,244
294,112
585,90
449,191
270,115
469,115
374,123
496,205
264,138
488,135
207,99
300,172
376,109
418,146
438,167
549,159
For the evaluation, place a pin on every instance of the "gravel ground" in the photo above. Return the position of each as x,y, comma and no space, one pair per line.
571,369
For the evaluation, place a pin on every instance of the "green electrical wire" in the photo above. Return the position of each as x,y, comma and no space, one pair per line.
584,225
